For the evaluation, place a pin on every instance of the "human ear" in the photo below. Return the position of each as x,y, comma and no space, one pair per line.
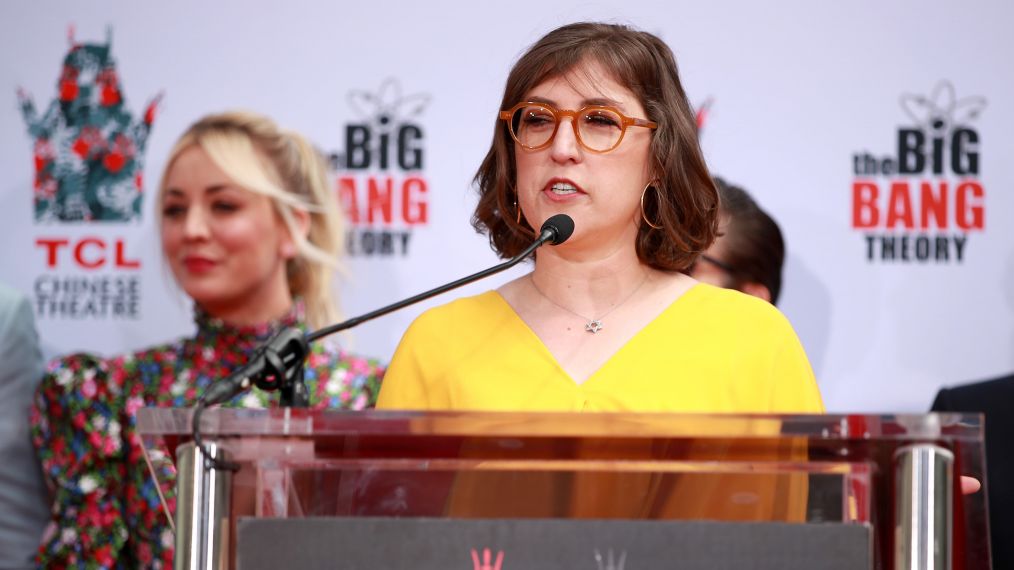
300,224
757,290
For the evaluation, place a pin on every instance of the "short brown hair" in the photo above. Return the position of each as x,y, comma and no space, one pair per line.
684,203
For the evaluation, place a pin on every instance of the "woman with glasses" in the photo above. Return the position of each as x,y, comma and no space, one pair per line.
595,124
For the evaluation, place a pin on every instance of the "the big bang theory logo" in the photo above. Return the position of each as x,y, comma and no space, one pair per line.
920,205
381,183
88,167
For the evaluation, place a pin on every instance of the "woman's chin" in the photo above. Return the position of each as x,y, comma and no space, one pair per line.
207,299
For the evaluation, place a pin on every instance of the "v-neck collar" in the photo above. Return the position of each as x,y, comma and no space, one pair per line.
617,355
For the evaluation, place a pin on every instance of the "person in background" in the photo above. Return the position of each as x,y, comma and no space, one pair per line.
251,231
24,502
749,252
995,400
594,123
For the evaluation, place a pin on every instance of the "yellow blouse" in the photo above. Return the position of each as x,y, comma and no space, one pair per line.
712,350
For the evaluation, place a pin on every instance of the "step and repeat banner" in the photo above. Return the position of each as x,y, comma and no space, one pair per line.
879,135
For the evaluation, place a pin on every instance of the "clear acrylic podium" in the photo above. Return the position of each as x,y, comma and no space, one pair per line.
504,491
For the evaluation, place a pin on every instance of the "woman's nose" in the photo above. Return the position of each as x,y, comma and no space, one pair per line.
195,226
565,147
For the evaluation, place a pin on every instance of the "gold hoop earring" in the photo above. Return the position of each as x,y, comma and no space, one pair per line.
643,215
517,208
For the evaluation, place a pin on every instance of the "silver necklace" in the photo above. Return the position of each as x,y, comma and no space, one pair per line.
591,325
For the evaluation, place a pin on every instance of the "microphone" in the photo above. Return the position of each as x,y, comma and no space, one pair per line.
561,226
275,366
278,365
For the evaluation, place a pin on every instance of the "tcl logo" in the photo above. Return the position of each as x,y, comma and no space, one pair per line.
86,252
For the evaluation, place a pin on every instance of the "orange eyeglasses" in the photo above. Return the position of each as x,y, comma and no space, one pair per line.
597,128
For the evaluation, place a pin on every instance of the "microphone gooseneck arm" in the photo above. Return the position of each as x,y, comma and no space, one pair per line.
278,365
550,233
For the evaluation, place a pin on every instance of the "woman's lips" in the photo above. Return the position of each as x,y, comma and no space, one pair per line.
561,190
197,264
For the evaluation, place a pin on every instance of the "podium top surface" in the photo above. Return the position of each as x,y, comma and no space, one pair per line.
943,427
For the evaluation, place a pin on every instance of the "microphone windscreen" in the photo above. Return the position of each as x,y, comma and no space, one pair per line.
562,227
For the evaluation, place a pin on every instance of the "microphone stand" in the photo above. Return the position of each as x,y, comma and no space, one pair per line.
543,238
278,365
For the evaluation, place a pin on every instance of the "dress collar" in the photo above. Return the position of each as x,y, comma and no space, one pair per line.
214,327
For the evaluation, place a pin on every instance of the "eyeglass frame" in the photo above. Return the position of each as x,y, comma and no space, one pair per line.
726,267
559,114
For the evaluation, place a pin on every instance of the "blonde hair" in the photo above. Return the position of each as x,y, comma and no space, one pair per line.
260,157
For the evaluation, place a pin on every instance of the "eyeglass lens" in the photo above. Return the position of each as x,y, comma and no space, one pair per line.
598,129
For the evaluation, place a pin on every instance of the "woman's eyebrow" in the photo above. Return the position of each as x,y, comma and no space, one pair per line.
602,102
215,188
596,101
211,189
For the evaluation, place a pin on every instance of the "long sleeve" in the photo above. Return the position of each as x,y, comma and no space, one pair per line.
108,512
22,492
77,427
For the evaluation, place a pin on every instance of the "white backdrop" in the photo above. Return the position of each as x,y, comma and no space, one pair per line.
794,91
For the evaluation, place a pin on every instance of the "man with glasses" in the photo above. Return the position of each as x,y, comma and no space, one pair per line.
749,252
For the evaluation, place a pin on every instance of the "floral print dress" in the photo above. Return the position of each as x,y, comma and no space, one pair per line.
107,512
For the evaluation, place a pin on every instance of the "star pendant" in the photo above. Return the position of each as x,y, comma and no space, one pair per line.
593,326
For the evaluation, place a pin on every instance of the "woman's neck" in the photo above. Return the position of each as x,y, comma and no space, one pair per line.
264,302
252,311
589,282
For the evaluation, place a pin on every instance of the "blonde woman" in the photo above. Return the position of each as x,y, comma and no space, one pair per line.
251,232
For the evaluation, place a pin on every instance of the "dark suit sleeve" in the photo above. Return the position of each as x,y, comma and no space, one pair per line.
943,403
